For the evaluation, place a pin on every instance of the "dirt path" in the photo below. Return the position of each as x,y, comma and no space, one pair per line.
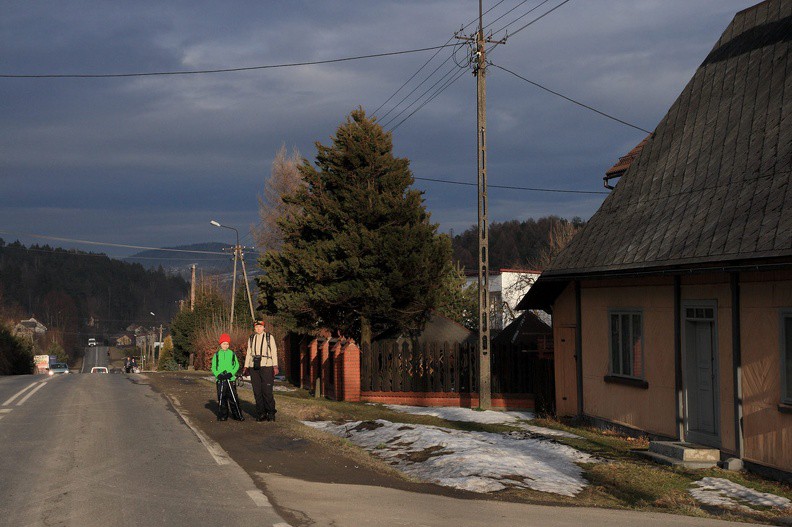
286,446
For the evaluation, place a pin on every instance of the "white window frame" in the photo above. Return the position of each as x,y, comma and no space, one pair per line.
631,312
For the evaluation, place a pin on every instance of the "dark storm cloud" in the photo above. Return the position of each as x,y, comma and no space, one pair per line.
148,161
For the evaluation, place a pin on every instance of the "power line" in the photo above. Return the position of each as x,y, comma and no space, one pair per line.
573,100
533,189
67,252
446,75
413,91
107,244
427,62
539,17
519,17
223,70
430,99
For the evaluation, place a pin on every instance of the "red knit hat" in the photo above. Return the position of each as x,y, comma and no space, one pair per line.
225,337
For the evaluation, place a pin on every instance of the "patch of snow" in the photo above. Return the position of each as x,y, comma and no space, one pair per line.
452,413
474,461
724,493
281,388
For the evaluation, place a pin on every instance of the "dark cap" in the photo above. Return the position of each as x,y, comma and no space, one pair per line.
259,323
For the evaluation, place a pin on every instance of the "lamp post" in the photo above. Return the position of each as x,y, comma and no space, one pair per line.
238,256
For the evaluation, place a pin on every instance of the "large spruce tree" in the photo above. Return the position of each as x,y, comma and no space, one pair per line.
362,255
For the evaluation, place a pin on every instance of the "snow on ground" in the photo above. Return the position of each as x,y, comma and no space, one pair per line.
474,461
724,493
452,413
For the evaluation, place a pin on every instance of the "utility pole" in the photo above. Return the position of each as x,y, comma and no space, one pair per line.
480,70
237,257
247,285
192,290
233,284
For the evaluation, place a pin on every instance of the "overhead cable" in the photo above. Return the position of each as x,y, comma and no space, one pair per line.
107,244
427,62
539,18
533,189
572,100
223,70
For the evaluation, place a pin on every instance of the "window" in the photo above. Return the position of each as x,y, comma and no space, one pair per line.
626,344
786,356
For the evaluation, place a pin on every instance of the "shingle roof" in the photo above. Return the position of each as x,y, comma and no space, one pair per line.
711,183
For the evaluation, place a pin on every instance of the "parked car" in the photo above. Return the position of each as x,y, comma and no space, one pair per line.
99,369
58,367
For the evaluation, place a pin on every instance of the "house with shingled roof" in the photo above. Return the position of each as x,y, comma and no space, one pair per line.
672,308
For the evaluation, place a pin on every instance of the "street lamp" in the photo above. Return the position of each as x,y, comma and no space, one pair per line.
238,256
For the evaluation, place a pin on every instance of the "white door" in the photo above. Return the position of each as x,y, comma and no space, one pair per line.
701,373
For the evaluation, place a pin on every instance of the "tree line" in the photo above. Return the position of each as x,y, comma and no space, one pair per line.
528,244
77,294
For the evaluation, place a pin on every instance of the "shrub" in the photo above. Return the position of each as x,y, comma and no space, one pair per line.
16,354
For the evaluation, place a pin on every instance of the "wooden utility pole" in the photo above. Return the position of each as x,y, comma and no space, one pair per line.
479,70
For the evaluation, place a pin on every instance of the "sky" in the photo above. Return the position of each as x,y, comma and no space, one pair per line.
149,160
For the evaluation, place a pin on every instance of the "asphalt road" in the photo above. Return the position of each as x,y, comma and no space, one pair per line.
95,356
105,449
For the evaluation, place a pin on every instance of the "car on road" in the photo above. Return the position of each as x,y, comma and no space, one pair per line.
91,342
58,367
99,369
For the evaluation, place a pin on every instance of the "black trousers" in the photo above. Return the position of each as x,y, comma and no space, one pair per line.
262,381
227,396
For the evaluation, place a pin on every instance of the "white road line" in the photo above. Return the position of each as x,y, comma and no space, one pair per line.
259,498
31,392
20,392
215,450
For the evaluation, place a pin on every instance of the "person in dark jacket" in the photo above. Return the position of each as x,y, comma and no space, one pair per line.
224,367
261,363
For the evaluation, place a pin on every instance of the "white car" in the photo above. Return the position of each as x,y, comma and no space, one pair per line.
91,342
99,369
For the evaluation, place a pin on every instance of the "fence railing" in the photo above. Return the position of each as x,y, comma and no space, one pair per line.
444,367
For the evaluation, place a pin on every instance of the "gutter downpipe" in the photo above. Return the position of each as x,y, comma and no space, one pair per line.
739,439
579,349
678,388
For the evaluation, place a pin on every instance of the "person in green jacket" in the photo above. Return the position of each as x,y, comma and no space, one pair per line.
224,367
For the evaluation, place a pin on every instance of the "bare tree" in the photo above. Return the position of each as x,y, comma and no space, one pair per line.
558,236
284,180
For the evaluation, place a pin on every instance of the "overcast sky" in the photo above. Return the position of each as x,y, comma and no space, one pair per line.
150,160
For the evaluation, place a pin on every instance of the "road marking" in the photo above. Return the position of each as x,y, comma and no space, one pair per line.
215,450
31,392
259,498
20,392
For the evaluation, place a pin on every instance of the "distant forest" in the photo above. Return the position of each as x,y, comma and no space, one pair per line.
517,244
78,294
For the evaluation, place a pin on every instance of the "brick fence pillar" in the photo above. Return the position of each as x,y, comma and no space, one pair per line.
324,373
313,357
333,377
349,361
